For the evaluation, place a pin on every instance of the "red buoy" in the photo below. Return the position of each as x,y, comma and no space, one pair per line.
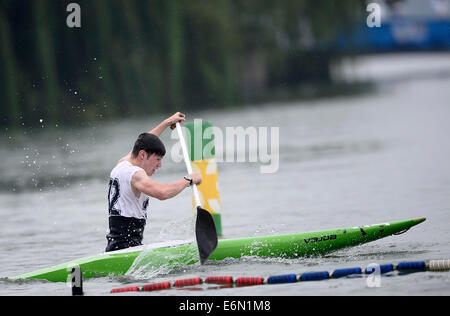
187,282
219,280
246,281
156,286
126,289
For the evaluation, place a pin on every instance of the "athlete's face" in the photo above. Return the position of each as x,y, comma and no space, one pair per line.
151,163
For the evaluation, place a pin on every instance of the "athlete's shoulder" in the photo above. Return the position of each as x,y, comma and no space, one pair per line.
119,166
139,175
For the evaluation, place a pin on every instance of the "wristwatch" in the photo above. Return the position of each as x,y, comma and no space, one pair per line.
188,178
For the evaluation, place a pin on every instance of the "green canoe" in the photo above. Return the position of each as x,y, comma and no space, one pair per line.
179,254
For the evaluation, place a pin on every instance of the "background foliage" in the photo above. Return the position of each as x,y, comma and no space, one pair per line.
139,57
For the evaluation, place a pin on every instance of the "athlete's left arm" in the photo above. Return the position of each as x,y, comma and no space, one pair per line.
158,130
176,118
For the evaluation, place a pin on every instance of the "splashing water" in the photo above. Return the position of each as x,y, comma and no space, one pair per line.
184,229
164,260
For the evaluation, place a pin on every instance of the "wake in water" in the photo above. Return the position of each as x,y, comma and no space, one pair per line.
152,263
5,281
156,262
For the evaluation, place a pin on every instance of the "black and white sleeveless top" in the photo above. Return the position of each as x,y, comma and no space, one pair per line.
121,198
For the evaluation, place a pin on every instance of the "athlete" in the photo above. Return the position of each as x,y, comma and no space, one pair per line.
130,187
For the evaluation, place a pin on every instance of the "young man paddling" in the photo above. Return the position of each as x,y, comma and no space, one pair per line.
130,187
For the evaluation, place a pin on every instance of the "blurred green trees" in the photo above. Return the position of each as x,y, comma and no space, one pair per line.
139,57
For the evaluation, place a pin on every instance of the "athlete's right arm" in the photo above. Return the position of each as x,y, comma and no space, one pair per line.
142,183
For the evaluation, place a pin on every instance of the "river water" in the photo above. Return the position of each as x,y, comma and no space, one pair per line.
343,162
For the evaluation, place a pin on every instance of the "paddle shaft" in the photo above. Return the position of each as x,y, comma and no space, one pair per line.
187,161
205,229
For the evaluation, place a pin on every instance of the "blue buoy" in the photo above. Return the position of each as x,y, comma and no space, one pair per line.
314,276
414,265
384,268
287,278
339,273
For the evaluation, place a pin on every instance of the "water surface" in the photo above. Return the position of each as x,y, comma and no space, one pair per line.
344,162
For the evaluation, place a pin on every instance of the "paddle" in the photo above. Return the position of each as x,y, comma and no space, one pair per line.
205,229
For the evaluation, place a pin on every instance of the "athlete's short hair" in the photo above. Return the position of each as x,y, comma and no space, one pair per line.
150,143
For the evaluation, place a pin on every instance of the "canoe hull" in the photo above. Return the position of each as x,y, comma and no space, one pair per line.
179,254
